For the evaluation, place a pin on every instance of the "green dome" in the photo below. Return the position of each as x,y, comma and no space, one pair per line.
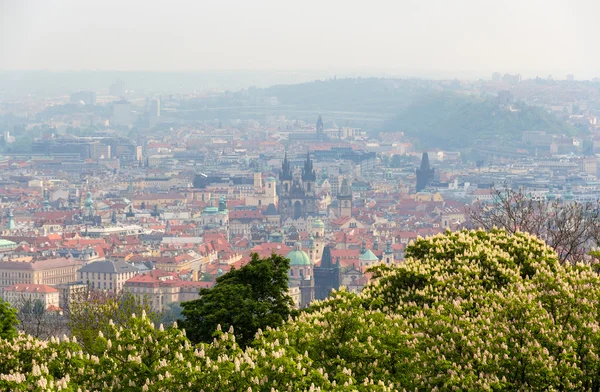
298,256
210,210
270,179
368,255
318,223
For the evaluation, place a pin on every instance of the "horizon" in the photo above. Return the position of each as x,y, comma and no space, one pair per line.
468,37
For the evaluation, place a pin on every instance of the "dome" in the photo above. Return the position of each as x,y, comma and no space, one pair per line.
368,255
270,179
210,210
318,223
298,257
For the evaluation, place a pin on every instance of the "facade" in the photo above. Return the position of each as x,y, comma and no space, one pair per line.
106,275
19,294
297,195
328,275
46,272
161,288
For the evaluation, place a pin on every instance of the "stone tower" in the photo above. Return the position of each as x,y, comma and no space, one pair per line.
344,199
424,173
328,275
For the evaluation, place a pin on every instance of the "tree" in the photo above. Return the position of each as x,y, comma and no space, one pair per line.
8,321
251,298
37,321
570,228
96,309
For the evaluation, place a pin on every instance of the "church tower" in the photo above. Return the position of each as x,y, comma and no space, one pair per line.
285,176
328,275
320,127
344,199
318,238
424,173
309,176
388,255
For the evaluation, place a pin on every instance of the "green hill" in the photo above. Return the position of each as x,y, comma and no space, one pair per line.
450,120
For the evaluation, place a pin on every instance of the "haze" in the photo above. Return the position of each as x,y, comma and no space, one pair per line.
414,37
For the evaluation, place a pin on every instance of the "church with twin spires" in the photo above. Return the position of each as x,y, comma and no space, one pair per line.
297,194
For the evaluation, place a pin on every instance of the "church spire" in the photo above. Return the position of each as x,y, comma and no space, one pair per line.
286,169
320,125
424,173
308,173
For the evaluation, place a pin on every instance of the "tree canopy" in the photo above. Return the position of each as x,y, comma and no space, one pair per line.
470,310
250,298
8,320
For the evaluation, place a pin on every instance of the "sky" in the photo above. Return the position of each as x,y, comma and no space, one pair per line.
412,37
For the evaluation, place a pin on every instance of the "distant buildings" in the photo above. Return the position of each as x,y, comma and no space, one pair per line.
87,97
121,113
45,272
117,89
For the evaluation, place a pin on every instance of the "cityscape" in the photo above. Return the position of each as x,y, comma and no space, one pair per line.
205,205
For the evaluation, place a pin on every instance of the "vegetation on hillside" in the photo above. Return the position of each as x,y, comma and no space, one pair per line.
450,120
470,310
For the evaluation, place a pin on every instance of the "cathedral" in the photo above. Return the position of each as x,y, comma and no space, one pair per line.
297,198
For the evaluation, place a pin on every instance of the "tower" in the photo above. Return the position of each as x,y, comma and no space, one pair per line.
297,196
46,202
285,176
10,225
388,254
344,199
318,236
328,275
424,173
258,185
308,176
89,204
320,127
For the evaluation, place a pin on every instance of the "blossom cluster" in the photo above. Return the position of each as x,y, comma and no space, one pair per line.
469,310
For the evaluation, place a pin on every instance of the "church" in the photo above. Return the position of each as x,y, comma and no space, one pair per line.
297,198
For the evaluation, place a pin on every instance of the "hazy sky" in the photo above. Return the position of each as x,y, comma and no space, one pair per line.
528,36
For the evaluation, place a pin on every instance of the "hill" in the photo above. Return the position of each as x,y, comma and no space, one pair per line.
450,120
361,94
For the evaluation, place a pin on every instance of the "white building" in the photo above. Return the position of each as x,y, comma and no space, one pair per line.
19,294
106,275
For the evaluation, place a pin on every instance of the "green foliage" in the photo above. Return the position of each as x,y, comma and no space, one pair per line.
251,298
8,321
465,311
450,120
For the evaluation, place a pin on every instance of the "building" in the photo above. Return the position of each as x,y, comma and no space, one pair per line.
87,97
328,275
301,274
106,275
161,288
19,294
424,173
117,89
46,271
297,197
121,115
344,200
